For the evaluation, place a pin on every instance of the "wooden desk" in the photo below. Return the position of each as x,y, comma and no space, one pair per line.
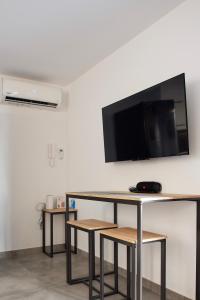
139,200
52,212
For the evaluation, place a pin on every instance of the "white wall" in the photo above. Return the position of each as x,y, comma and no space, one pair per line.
169,47
25,176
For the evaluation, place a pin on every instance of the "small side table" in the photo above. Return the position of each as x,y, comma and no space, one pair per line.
52,212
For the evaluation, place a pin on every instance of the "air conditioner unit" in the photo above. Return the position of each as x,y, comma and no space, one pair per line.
30,93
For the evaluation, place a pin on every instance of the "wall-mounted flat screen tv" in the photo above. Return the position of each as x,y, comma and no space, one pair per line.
149,124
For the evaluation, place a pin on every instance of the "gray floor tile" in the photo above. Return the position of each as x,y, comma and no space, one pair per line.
38,277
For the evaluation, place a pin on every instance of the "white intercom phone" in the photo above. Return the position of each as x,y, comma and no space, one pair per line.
51,154
54,152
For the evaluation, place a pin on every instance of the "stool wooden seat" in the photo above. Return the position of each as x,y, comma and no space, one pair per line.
90,226
128,237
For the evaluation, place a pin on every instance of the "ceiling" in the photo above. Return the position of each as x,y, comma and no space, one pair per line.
58,40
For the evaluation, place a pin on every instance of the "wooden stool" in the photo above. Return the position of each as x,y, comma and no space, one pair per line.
52,212
128,237
90,226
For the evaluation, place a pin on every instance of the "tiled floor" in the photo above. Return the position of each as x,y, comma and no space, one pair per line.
37,276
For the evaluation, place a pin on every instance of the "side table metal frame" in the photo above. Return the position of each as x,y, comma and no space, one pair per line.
52,252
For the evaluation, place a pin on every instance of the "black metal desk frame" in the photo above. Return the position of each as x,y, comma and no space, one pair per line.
139,203
52,213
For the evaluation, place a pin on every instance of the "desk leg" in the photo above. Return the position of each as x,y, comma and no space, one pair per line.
51,235
198,253
163,270
115,214
67,208
66,219
75,235
68,243
139,251
43,231
116,252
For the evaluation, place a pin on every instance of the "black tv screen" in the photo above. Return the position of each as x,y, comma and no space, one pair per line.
149,124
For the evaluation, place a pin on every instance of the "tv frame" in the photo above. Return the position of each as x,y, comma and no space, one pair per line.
129,98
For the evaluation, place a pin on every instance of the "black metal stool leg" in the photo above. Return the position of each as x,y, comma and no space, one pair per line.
101,268
116,266
93,251
69,255
128,273
163,270
51,235
91,261
43,232
133,277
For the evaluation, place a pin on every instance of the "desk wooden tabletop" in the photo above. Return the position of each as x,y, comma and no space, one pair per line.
128,197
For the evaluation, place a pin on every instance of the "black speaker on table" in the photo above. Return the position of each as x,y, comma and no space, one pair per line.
146,187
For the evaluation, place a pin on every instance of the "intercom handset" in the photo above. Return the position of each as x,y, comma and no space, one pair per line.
51,155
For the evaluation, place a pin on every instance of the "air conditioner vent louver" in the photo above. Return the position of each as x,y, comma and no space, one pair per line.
28,101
